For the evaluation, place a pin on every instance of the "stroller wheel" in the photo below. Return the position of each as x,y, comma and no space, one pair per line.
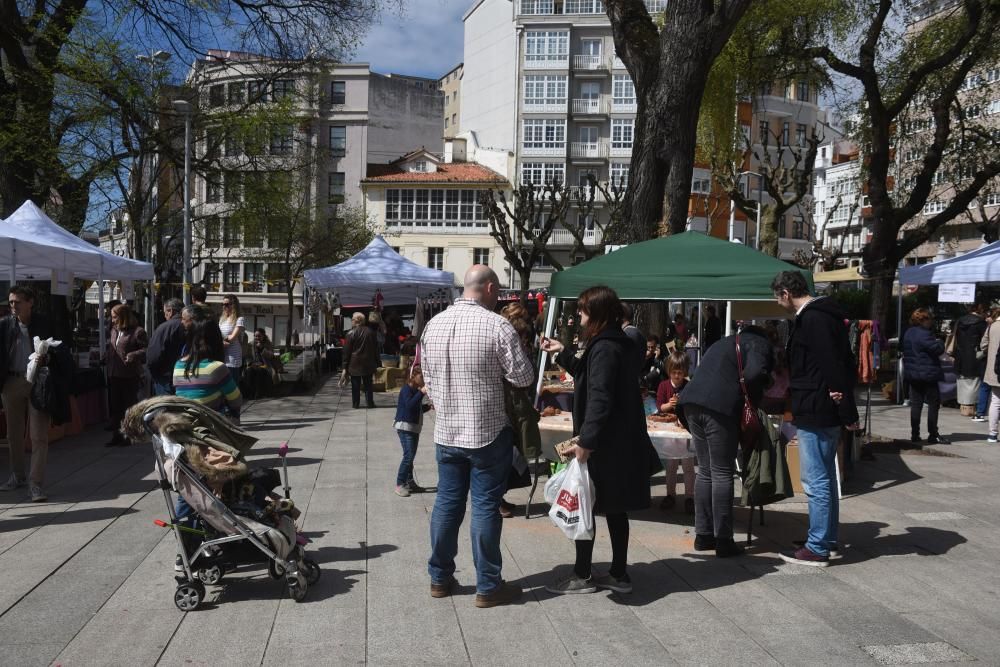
211,575
297,587
276,570
310,570
189,596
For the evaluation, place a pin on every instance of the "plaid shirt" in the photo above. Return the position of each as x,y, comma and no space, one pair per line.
468,352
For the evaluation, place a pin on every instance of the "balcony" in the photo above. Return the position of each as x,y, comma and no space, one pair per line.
623,106
621,150
596,150
554,150
590,106
543,106
584,191
583,7
590,63
546,61
564,237
536,7
787,247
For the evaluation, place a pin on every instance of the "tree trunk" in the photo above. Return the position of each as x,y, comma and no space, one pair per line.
643,203
881,256
769,236
290,293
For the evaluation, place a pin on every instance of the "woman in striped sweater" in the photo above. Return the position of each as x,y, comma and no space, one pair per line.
202,378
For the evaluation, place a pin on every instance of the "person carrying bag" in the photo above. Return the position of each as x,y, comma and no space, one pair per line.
573,502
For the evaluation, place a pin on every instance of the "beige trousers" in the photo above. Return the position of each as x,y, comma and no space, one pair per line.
17,405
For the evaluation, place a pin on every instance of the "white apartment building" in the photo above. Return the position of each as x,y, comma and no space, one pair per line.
349,117
839,203
428,209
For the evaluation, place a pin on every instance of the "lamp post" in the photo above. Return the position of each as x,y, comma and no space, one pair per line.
184,107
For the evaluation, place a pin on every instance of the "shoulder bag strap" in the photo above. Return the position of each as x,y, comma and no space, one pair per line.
739,367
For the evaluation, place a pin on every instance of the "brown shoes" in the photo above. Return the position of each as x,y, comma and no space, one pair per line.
442,590
503,594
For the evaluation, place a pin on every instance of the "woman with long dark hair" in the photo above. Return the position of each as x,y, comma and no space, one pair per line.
126,357
201,375
609,419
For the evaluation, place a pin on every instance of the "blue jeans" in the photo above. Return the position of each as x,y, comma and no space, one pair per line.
484,471
983,400
162,387
408,440
817,452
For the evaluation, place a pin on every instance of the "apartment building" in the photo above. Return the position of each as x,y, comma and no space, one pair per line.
541,80
451,86
839,203
348,117
428,208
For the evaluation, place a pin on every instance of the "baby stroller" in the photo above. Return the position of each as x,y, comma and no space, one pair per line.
234,517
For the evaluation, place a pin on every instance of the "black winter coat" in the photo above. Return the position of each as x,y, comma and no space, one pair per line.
165,347
820,361
969,332
609,418
716,384
922,352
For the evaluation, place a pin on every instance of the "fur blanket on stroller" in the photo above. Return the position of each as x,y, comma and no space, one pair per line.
214,445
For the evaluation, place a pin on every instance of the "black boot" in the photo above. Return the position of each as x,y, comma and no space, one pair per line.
727,548
704,542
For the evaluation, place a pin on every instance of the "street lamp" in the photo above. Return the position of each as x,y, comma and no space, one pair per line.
732,210
184,108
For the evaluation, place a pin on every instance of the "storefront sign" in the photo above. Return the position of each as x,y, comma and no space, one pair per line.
957,293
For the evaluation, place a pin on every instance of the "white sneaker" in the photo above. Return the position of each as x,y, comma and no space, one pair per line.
37,495
992,438
979,418
12,483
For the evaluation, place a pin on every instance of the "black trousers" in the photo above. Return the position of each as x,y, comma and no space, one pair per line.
356,382
618,532
715,437
920,393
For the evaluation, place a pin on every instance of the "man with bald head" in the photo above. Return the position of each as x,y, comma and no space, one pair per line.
468,352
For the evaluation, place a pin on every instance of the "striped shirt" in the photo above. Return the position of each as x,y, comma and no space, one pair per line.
210,384
468,352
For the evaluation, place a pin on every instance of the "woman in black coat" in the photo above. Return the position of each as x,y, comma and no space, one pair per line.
710,408
922,371
610,421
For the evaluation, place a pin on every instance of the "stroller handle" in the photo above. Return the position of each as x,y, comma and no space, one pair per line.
283,449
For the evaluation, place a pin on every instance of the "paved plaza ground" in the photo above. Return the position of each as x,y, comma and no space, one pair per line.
87,579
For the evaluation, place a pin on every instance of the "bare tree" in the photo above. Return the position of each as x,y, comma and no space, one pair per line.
601,204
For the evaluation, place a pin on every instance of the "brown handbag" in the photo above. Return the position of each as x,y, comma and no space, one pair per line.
750,426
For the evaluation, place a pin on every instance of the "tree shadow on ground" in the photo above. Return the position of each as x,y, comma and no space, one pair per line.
889,469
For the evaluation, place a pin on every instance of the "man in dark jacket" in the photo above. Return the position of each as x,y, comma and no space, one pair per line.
821,379
361,359
17,334
634,335
165,348
969,365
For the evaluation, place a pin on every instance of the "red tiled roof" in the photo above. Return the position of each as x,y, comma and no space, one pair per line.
453,172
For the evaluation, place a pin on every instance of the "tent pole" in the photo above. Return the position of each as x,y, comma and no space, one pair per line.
729,318
101,333
701,332
13,262
550,323
899,340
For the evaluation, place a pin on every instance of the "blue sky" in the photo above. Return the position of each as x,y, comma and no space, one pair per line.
425,39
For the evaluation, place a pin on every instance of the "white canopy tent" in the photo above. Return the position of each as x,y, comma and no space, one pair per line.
981,265
379,267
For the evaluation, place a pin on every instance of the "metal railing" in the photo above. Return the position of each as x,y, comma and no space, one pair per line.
538,151
546,61
565,237
591,149
589,105
589,62
545,107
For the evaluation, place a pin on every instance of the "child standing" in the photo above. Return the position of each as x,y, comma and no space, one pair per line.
409,417
667,394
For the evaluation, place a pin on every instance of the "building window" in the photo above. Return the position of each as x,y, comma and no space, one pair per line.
336,185
798,228
253,277
536,7
701,185
277,275
785,127
338,92
800,135
933,207
212,276
454,119
253,236
539,173
547,133
256,91
213,187
802,91
420,165
481,256
281,89
543,45
213,142
435,258
623,90
544,89
338,140
622,132
230,277
230,234
446,122
213,231
217,95
237,93
281,142
764,132
232,192
233,143
433,208
619,175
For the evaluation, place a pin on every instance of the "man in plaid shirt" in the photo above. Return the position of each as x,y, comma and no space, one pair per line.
468,352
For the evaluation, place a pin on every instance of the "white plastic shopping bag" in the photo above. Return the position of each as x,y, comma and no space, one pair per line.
41,349
573,509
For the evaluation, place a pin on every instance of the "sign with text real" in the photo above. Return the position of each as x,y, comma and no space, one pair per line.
957,293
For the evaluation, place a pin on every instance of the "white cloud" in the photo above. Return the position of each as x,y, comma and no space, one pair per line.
424,40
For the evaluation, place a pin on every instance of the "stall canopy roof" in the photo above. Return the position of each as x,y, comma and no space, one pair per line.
689,266
982,265
39,246
380,267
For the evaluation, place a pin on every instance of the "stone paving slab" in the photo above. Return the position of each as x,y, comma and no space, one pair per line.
88,580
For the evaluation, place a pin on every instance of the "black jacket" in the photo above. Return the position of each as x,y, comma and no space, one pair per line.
922,352
8,338
969,332
716,384
609,418
820,361
165,347
361,351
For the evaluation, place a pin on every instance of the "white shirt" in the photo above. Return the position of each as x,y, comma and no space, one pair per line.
234,351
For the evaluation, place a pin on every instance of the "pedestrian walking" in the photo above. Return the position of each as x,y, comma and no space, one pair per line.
409,420
713,327
609,419
468,353
710,408
126,358
17,333
361,359
634,334
165,347
922,371
822,373
989,346
232,327
970,363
